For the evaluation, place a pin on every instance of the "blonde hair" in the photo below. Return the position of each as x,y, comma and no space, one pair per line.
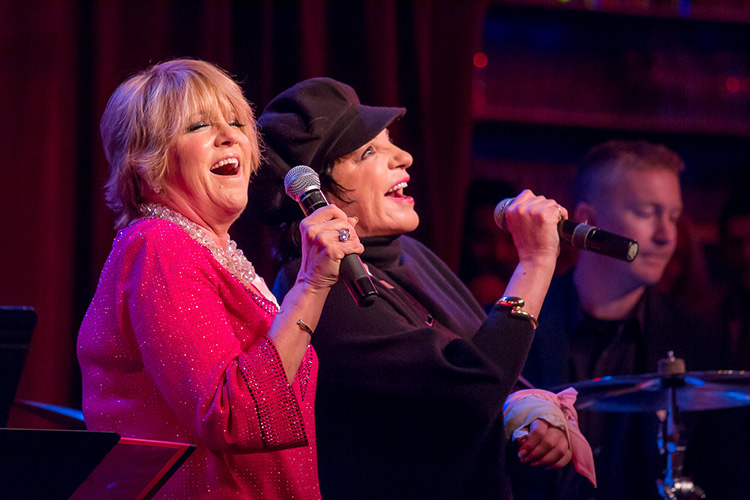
145,115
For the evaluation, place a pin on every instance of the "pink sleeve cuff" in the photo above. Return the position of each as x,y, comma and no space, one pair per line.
583,459
277,408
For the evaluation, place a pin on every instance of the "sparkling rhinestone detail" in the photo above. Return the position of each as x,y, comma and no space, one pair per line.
231,258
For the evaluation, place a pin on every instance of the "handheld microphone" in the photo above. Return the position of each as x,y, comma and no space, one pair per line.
583,236
302,184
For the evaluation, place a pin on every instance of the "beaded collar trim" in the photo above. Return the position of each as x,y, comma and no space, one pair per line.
231,258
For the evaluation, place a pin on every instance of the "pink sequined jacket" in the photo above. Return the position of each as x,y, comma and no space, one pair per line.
173,348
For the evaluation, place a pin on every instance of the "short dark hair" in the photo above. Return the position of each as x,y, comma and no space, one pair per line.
602,159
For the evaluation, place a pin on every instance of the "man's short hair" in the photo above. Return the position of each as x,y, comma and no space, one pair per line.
601,160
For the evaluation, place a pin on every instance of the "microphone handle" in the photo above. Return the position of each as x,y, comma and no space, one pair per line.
351,269
592,238
312,200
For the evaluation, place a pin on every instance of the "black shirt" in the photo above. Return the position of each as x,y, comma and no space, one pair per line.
571,346
411,388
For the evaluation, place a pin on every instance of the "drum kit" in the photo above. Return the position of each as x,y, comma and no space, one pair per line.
669,391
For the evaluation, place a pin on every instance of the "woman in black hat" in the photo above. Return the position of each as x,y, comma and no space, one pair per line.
411,388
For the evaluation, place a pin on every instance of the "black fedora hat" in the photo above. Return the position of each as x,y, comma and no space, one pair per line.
312,123
319,120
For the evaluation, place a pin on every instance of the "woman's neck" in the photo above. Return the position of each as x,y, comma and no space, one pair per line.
217,232
215,227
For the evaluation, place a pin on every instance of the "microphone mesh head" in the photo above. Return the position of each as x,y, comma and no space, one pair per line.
500,213
300,180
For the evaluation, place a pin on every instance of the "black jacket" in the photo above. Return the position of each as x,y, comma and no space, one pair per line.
411,388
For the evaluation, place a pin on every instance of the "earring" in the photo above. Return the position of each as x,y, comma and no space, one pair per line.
157,188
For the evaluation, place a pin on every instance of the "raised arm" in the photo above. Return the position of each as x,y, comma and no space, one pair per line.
532,220
322,252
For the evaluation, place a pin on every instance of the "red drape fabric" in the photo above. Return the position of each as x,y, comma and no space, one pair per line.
38,187
60,61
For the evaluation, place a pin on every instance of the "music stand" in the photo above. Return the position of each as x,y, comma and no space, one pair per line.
83,465
16,326
135,468
49,464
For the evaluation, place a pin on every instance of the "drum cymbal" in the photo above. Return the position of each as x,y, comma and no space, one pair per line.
695,391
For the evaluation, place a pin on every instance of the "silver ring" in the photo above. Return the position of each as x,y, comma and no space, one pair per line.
343,234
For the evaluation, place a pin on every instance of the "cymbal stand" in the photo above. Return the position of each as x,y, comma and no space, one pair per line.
674,486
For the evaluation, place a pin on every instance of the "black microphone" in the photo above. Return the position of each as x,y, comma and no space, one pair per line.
583,236
302,184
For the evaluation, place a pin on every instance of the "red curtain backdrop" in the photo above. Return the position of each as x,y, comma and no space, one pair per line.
60,60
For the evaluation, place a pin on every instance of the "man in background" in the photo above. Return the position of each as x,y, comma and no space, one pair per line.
605,317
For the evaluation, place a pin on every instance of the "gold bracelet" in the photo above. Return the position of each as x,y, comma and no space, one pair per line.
516,304
303,326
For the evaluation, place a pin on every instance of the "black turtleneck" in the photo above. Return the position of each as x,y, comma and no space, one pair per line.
410,389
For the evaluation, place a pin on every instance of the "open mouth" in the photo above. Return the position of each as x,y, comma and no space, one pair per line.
397,191
227,166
